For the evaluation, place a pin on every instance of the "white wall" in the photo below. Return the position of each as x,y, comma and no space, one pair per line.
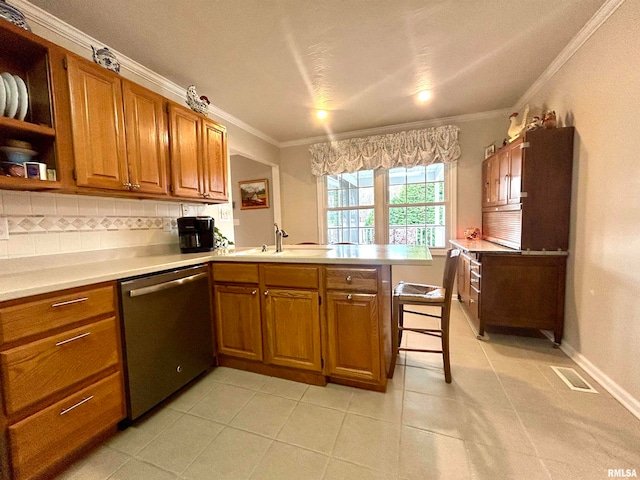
598,92
252,227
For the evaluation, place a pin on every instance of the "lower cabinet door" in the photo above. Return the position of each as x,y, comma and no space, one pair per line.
238,325
353,336
293,329
39,441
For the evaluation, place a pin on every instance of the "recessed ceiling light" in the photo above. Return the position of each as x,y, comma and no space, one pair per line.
321,114
424,95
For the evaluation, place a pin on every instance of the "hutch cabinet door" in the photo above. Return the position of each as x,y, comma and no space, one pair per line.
146,139
98,126
292,319
186,155
352,331
215,161
515,172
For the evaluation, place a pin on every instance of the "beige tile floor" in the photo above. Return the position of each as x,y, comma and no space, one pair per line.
505,416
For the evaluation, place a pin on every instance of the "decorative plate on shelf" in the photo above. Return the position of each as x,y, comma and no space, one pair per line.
13,15
3,98
23,98
12,94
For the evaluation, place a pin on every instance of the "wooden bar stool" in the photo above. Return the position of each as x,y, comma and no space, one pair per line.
427,295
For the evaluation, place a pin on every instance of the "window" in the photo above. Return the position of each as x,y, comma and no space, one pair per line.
411,206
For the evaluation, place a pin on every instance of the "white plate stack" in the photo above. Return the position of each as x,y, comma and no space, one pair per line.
14,98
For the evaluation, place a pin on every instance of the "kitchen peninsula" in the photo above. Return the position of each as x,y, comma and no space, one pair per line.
314,314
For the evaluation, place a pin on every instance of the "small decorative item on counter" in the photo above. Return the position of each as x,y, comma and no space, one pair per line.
51,174
13,15
516,128
472,233
105,58
549,119
197,104
219,239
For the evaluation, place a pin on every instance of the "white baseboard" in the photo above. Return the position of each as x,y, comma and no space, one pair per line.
625,398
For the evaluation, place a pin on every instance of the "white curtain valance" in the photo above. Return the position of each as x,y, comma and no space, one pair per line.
401,149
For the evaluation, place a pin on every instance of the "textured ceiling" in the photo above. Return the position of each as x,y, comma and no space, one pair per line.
270,63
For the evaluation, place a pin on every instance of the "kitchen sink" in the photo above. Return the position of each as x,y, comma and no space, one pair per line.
290,251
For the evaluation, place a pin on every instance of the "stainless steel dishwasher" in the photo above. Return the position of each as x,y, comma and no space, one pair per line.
167,342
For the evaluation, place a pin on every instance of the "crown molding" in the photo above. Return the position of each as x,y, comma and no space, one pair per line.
55,25
469,117
594,23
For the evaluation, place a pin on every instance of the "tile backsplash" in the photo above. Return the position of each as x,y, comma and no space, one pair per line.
46,223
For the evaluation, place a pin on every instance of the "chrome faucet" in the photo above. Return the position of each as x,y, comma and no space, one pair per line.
279,235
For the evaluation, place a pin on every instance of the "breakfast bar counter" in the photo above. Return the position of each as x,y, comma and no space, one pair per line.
26,276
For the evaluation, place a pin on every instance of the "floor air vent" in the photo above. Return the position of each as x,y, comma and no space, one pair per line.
573,379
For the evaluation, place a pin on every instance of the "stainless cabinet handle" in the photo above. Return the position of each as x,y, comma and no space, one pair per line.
135,185
471,300
266,292
253,292
69,302
84,400
77,337
474,280
127,184
348,279
349,297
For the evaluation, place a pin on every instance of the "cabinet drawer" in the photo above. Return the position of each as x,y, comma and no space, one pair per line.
474,279
353,279
235,272
475,266
38,369
39,316
42,439
296,276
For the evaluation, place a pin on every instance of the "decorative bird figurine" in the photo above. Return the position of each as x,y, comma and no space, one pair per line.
514,128
197,104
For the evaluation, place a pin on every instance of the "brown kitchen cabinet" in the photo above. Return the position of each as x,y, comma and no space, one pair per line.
198,149
501,176
345,339
511,289
530,203
118,130
62,384
353,324
28,56
269,313
238,320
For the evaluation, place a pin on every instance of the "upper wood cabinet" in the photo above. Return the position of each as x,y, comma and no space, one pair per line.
198,149
502,176
215,161
118,130
532,209
146,131
27,56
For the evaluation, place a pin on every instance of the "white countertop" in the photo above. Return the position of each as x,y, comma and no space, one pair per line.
23,277
482,246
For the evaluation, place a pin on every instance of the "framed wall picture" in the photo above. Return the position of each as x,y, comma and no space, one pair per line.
254,194
490,150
